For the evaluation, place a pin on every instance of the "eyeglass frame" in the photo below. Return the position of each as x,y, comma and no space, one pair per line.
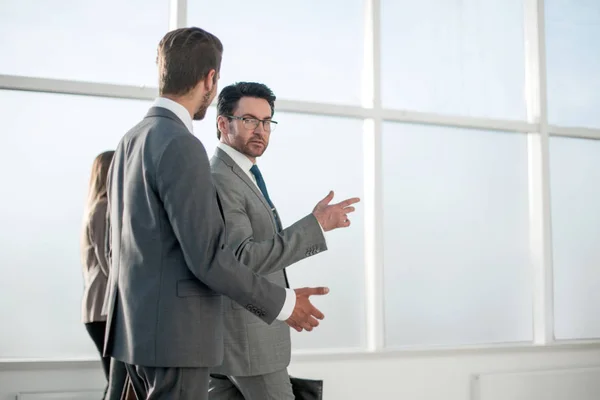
258,122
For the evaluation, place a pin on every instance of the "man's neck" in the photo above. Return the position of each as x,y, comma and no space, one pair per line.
185,101
252,159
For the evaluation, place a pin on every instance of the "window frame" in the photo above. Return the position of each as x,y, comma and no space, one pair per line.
373,114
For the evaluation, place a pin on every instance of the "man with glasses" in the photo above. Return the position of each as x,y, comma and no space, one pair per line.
256,354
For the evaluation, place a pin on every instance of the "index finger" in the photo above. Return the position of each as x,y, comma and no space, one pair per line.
319,291
349,202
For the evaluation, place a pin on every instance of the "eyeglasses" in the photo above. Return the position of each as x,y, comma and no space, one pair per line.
252,123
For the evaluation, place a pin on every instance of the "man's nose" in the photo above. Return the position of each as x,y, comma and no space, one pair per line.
260,128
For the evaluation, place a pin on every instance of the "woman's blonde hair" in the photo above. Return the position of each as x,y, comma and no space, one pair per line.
96,192
97,186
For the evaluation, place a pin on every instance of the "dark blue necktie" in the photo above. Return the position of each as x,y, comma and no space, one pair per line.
260,182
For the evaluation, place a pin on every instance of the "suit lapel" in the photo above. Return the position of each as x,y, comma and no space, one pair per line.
246,179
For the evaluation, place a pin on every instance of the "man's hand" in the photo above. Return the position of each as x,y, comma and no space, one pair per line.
332,216
305,315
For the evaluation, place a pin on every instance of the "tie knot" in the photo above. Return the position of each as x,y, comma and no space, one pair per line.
255,171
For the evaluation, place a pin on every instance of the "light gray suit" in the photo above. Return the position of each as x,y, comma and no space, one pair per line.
170,261
253,348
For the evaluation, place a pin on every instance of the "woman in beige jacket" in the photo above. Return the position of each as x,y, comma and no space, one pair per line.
94,258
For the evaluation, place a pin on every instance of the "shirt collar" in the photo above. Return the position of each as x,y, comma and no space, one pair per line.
180,111
241,160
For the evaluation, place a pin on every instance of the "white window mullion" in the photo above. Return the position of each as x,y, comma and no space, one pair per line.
373,177
177,14
539,173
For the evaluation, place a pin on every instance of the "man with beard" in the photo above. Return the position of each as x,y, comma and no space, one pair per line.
169,258
256,354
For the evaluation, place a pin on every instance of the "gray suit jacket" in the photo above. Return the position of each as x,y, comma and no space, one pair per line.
251,346
95,264
169,257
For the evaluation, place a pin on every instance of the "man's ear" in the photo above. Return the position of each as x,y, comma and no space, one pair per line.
222,124
210,80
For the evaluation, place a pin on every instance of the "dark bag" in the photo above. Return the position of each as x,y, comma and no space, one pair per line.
307,389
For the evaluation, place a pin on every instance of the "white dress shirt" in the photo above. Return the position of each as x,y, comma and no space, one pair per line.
184,115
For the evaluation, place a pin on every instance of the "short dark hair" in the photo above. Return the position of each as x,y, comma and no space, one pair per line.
185,57
231,95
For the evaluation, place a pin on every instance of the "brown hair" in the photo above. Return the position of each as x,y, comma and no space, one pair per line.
97,186
96,192
185,57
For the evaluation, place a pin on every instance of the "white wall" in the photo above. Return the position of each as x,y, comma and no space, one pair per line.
436,375
429,375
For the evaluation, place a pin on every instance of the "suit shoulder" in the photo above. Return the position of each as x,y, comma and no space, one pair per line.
158,131
227,183
168,138
222,173
166,131
215,163
157,139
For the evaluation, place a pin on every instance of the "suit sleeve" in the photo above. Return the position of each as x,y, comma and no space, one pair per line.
185,186
98,237
301,240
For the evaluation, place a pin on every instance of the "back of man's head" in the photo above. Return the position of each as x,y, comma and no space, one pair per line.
185,57
231,95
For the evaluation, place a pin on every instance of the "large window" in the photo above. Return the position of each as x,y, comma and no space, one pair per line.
573,32
575,173
458,202
304,50
573,64
448,57
50,142
109,41
456,263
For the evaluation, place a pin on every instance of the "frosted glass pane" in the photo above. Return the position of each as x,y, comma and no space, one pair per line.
456,257
308,50
573,62
575,177
300,167
46,166
453,57
206,131
109,41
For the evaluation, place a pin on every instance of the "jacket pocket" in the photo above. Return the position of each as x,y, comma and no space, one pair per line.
193,287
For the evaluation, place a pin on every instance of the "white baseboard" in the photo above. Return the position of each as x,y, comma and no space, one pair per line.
78,395
553,384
